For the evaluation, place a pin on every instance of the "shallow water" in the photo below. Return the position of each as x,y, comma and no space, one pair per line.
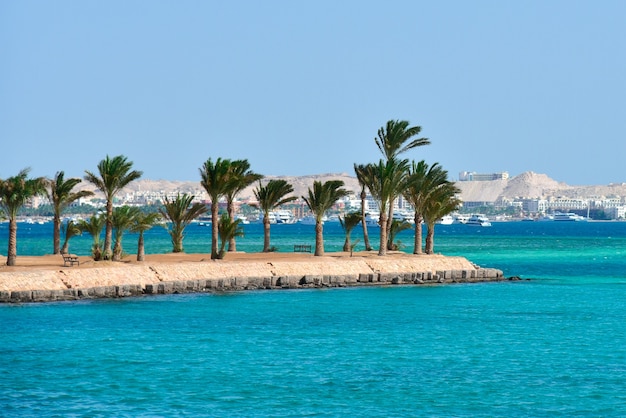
551,346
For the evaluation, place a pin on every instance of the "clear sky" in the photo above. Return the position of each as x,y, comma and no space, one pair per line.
301,87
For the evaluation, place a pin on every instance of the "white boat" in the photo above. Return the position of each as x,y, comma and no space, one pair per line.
243,219
571,217
446,220
478,220
404,215
371,219
461,219
283,217
307,220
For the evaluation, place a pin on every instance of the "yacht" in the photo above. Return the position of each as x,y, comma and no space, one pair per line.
572,217
243,219
478,220
284,217
446,220
307,220
371,219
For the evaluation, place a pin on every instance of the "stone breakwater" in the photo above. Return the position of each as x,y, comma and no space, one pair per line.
114,280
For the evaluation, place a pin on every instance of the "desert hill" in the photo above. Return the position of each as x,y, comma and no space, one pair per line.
525,185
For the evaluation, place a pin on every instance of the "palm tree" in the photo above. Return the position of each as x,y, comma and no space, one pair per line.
348,223
143,222
270,197
385,180
397,226
113,175
93,227
442,201
123,219
422,181
15,192
321,198
240,177
61,196
70,229
392,141
362,174
392,138
228,228
180,212
215,180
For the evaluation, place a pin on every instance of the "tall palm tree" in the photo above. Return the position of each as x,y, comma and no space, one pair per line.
180,212
15,192
93,226
240,177
123,219
143,222
113,175
61,195
348,223
215,179
393,136
319,199
392,141
228,228
442,201
386,179
422,181
70,229
271,196
362,175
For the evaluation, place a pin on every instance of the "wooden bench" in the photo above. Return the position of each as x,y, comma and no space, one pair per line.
70,258
301,248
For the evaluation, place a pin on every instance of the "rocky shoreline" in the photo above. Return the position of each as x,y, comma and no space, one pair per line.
115,280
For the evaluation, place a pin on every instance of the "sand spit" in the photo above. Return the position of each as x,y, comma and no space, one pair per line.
41,279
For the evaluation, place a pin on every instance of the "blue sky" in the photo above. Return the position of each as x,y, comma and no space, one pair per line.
302,87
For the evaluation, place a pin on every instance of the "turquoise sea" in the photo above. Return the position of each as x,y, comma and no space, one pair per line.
554,345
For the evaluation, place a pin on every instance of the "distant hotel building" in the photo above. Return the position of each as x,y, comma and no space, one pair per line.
472,176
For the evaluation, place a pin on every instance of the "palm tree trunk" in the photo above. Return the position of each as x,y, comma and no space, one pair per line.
382,250
214,229
56,238
319,238
389,221
108,236
66,246
346,244
12,250
177,239
417,244
366,237
117,249
232,245
430,238
266,233
140,247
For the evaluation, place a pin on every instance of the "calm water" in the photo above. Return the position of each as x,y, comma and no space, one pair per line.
551,346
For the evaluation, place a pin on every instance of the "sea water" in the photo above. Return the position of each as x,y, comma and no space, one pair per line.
553,345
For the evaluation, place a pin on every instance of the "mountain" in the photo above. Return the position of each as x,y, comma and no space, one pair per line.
525,185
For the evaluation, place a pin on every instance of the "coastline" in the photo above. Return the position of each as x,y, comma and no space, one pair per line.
45,279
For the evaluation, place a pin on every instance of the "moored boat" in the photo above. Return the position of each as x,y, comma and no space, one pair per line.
478,220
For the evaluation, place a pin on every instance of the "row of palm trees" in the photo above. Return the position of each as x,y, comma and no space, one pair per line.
425,187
